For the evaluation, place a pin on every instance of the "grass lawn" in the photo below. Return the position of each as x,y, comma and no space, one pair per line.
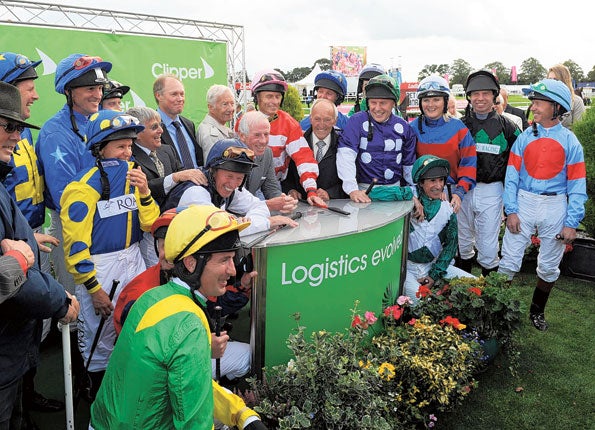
555,386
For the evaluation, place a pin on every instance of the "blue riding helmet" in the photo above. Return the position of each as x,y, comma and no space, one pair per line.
334,81
107,125
16,67
80,70
552,91
232,155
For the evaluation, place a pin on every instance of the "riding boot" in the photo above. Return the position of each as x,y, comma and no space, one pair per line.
485,272
465,264
540,298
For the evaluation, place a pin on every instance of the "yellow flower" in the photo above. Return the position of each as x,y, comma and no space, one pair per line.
364,365
386,371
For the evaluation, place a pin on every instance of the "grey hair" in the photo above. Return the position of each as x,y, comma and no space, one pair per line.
318,101
217,91
144,114
251,118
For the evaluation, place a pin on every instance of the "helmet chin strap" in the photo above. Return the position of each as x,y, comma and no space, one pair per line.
73,123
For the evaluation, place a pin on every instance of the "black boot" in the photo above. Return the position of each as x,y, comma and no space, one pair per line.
485,272
465,264
34,401
540,298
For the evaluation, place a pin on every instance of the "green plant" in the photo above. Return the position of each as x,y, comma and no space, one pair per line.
490,306
585,132
292,103
398,379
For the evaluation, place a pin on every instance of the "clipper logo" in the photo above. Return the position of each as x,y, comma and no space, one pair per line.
204,72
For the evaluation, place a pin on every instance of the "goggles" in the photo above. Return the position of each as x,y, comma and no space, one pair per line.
219,220
20,62
118,122
271,77
234,152
80,64
430,85
11,127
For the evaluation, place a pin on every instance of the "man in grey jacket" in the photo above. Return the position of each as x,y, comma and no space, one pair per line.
254,130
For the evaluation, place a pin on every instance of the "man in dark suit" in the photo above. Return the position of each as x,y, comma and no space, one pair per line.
159,162
322,137
178,132
513,110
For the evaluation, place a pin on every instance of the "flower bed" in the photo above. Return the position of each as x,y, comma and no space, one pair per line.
395,371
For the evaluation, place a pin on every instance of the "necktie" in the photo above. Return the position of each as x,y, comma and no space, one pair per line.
183,146
158,163
320,152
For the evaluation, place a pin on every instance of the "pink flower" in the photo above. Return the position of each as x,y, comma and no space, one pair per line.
412,321
404,300
370,317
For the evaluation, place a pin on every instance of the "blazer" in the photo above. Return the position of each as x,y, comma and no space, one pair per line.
328,179
191,129
171,163
263,178
518,112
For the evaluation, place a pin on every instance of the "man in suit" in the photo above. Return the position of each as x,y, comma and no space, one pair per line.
513,110
149,152
254,130
178,131
322,137
221,104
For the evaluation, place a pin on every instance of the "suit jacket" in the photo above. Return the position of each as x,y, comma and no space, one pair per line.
191,129
518,112
263,178
328,179
171,163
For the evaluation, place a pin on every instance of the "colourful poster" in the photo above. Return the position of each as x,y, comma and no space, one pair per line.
348,60
137,61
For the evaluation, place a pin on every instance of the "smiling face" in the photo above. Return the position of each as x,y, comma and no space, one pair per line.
223,109
380,109
433,187
325,93
171,99
120,149
28,96
433,107
8,141
150,137
85,100
219,268
269,102
322,119
258,137
482,101
226,182
543,112
114,104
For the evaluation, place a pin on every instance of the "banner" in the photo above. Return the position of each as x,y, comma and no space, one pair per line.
322,279
348,60
137,61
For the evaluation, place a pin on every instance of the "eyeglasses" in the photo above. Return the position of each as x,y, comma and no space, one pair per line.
20,62
431,85
81,63
216,221
234,152
11,127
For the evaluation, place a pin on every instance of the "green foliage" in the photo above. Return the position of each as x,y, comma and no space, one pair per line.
433,69
459,70
502,72
407,373
531,71
292,103
489,306
575,70
585,132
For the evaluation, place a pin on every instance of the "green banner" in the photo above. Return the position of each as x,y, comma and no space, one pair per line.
137,61
321,280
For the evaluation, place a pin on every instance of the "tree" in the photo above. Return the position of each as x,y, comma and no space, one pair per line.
502,73
591,75
297,73
292,103
433,69
324,63
575,70
531,71
459,70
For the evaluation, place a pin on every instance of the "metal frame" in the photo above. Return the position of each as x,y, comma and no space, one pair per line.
76,17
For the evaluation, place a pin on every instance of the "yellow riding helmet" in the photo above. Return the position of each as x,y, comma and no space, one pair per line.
204,229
